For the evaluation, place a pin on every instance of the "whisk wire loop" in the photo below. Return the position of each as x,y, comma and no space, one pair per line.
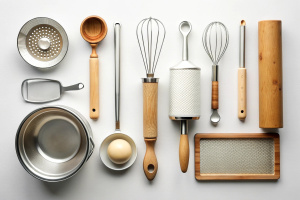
150,34
215,41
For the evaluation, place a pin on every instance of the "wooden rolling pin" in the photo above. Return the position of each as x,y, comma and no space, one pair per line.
270,74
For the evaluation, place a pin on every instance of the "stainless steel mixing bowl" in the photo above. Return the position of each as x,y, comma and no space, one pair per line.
53,143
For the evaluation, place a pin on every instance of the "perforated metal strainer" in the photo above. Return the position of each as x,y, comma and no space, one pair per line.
42,42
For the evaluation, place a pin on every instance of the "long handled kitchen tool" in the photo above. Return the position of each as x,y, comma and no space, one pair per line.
150,34
215,40
93,29
118,151
242,76
184,95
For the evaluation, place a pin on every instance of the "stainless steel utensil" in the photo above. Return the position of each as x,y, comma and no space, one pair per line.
42,42
117,134
242,76
53,143
150,34
215,40
184,95
39,90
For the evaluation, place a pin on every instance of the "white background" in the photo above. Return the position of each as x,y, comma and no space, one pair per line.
95,181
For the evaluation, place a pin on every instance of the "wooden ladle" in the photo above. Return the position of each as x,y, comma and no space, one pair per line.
93,29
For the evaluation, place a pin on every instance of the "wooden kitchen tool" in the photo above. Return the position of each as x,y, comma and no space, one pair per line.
242,76
150,128
237,156
270,74
93,29
150,35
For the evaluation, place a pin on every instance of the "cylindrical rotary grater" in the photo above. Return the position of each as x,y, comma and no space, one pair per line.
184,95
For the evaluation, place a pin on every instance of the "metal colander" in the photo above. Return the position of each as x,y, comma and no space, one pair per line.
42,42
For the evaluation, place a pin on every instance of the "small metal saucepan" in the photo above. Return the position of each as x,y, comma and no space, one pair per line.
53,143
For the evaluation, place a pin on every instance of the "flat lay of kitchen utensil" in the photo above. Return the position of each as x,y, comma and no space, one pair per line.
242,75
184,95
215,41
151,35
42,42
118,151
39,90
54,142
93,29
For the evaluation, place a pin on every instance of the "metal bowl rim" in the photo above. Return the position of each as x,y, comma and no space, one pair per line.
87,132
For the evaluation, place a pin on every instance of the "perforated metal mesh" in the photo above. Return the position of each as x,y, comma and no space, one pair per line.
184,93
47,32
237,156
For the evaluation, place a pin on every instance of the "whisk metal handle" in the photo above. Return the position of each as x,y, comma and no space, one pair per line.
185,28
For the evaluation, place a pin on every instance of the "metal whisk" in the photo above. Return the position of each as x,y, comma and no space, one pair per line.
151,35
215,40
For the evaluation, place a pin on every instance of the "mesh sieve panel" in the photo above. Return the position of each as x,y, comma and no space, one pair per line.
237,156
184,93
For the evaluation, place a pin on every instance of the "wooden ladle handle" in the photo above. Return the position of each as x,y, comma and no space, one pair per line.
150,161
94,88
184,152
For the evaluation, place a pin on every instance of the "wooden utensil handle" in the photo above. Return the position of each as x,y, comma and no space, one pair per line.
150,109
94,88
184,152
215,95
150,162
242,91
150,127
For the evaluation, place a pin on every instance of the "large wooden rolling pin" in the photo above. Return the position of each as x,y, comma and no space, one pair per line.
150,128
270,74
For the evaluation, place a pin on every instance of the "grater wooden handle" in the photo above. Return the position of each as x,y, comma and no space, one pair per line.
94,88
184,152
242,90
215,95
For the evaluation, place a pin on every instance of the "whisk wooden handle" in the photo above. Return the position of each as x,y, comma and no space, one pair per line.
94,88
150,109
215,95
150,161
150,128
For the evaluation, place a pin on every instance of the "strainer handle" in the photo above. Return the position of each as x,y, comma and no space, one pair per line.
94,88
77,86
